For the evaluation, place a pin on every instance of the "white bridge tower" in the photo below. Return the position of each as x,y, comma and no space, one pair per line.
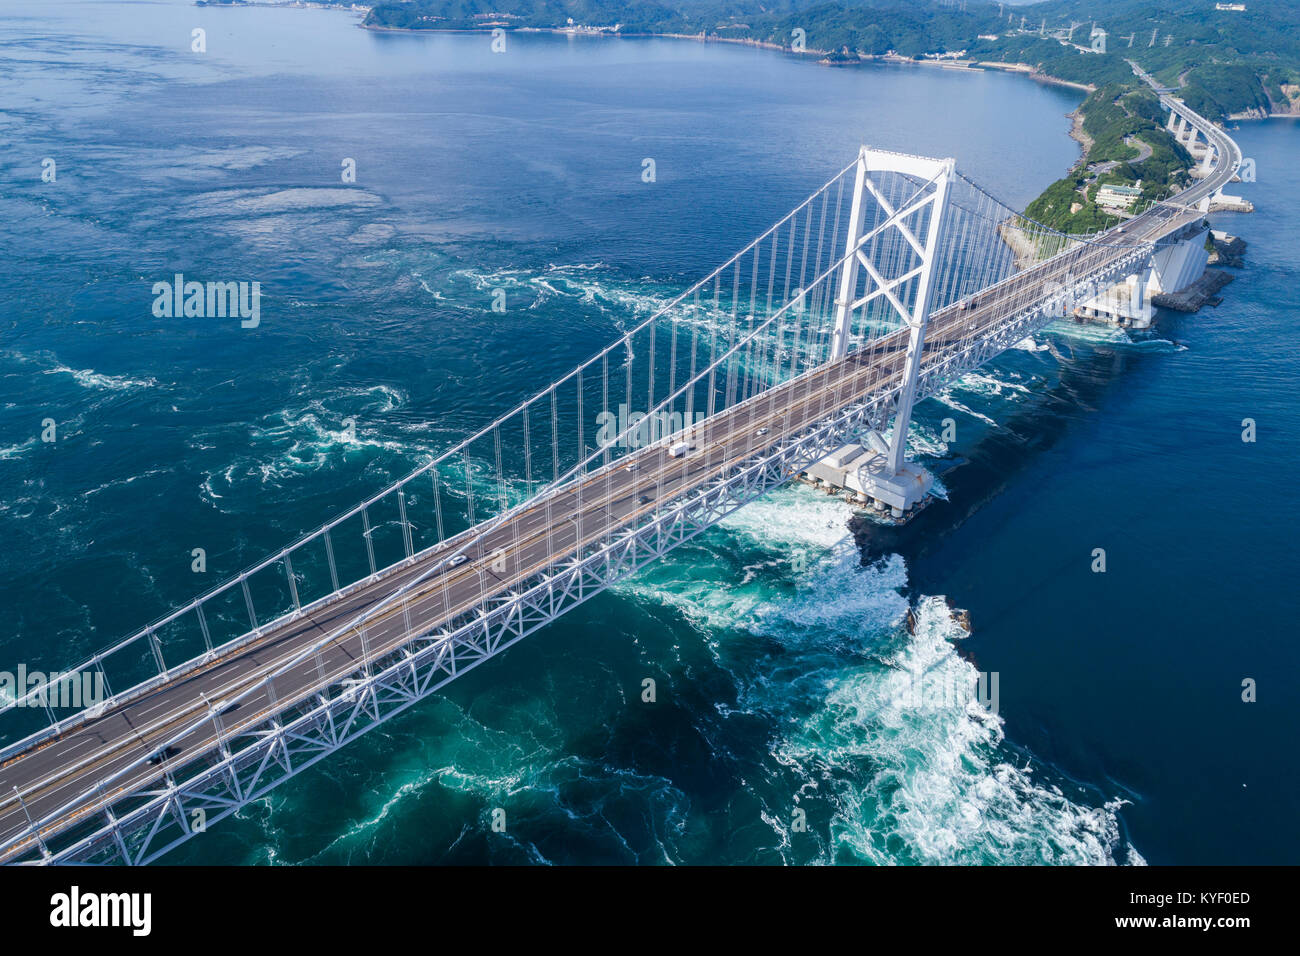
890,264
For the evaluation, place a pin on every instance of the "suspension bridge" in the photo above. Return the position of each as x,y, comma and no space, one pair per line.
895,278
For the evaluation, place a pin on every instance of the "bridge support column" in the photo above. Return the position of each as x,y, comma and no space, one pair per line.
880,473
916,322
1139,305
849,269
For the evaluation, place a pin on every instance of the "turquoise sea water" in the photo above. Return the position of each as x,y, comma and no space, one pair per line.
781,649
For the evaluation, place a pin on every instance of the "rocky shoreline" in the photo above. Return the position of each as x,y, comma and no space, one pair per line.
1200,293
1228,250
1078,135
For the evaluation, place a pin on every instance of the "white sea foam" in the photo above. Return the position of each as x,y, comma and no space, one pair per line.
796,525
932,785
793,515
1098,334
990,385
945,398
924,441
309,438
1030,344
9,452
579,282
246,203
123,482
88,378
936,777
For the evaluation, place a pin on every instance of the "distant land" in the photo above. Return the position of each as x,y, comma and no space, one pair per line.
1226,63
1229,63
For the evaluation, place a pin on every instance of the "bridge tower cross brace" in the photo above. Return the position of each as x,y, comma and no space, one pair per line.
936,175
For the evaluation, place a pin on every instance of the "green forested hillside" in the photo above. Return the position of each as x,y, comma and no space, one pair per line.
1118,120
1225,61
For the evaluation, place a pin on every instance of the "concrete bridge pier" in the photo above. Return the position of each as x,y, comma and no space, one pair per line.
1207,161
862,474
1130,303
1141,286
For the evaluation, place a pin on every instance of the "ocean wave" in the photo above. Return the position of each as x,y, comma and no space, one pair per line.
518,762
85,377
929,782
88,378
989,385
1091,333
10,452
248,202
310,438
904,783
924,441
580,283
1030,344
123,482
945,398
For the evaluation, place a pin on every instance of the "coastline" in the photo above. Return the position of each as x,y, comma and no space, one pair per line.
1036,74
1077,117
823,57
1261,115
960,66
954,64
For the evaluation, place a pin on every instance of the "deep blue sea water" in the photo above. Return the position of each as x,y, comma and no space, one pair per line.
781,650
